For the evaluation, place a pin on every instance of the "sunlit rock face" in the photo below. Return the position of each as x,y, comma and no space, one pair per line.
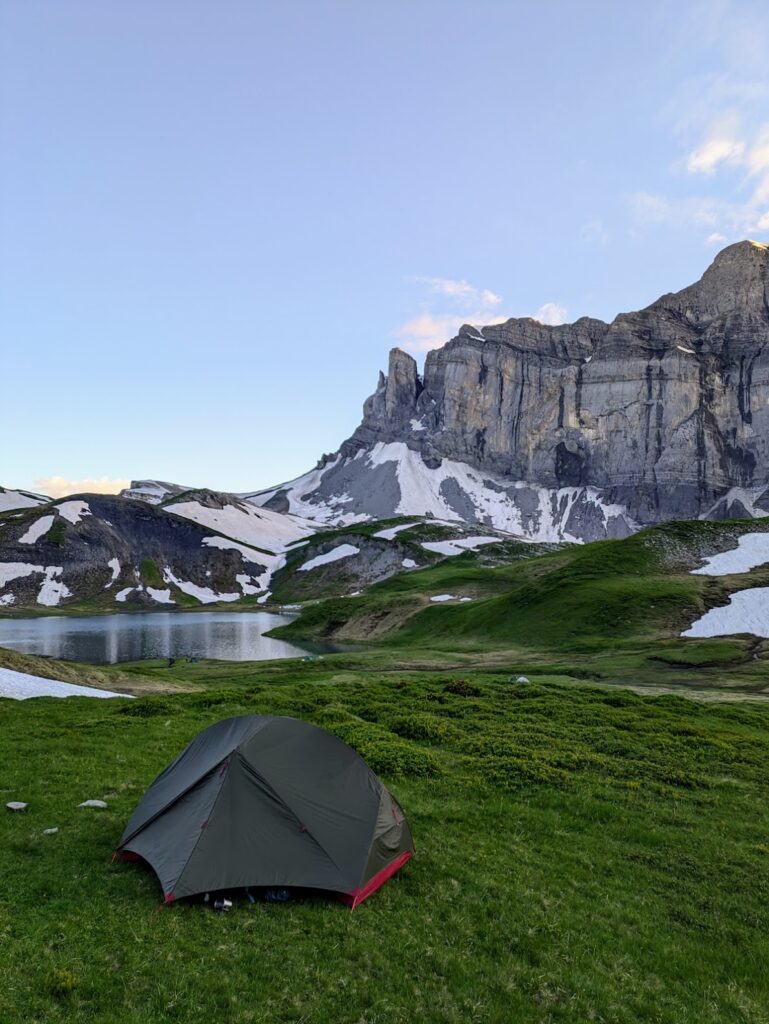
579,430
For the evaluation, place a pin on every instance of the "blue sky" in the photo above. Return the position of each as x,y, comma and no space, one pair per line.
217,218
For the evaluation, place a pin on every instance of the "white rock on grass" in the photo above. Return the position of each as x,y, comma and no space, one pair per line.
50,831
16,805
93,803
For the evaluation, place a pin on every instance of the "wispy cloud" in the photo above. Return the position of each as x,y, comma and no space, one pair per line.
449,304
551,313
463,292
59,487
446,306
720,122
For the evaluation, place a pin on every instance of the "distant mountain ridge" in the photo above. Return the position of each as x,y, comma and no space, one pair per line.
577,431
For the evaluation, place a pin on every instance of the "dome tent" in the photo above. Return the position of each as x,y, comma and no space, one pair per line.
268,801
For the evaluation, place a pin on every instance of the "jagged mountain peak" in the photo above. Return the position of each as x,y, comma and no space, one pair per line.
579,430
735,284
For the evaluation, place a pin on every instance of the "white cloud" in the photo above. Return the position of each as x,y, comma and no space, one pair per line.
449,304
716,238
463,292
428,330
551,313
462,304
706,158
58,487
720,120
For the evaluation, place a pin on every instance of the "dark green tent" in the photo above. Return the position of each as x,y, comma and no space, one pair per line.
268,801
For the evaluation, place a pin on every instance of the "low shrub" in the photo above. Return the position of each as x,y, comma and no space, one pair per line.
383,754
423,727
147,707
517,772
461,688
59,983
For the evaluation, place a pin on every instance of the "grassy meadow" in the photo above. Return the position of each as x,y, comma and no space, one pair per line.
592,845
583,853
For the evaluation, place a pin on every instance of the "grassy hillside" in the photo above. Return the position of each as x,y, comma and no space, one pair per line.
582,854
611,605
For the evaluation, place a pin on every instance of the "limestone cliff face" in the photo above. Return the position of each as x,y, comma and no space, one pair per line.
663,411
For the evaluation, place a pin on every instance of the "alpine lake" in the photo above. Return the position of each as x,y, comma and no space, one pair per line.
109,639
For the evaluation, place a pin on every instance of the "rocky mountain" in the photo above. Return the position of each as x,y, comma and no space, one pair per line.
109,551
577,431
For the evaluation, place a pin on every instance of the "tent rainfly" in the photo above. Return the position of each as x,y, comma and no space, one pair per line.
268,801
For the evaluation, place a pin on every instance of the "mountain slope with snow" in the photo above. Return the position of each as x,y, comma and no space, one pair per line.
576,431
113,552
394,480
11,499
240,520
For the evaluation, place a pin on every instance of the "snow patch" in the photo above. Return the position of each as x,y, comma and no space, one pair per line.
53,590
444,597
114,565
417,425
19,499
458,545
161,596
37,530
247,584
391,531
409,563
21,686
752,550
335,555
15,570
204,594
247,523
122,595
747,612
73,511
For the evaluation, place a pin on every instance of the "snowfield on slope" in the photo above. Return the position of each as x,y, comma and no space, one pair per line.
19,499
21,686
391,480
338,553
459,545
752,550
259,527
51,589
747,612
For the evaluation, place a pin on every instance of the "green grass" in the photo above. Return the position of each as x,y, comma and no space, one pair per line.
582,854
579,598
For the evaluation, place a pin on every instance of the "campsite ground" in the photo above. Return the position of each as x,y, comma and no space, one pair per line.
584,852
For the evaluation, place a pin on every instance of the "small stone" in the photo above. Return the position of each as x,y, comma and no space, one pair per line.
93,803
50,831
16,805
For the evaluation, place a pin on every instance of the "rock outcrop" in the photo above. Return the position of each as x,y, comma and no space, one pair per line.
664,413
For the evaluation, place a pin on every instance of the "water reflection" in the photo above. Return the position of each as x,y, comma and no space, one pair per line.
100,639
